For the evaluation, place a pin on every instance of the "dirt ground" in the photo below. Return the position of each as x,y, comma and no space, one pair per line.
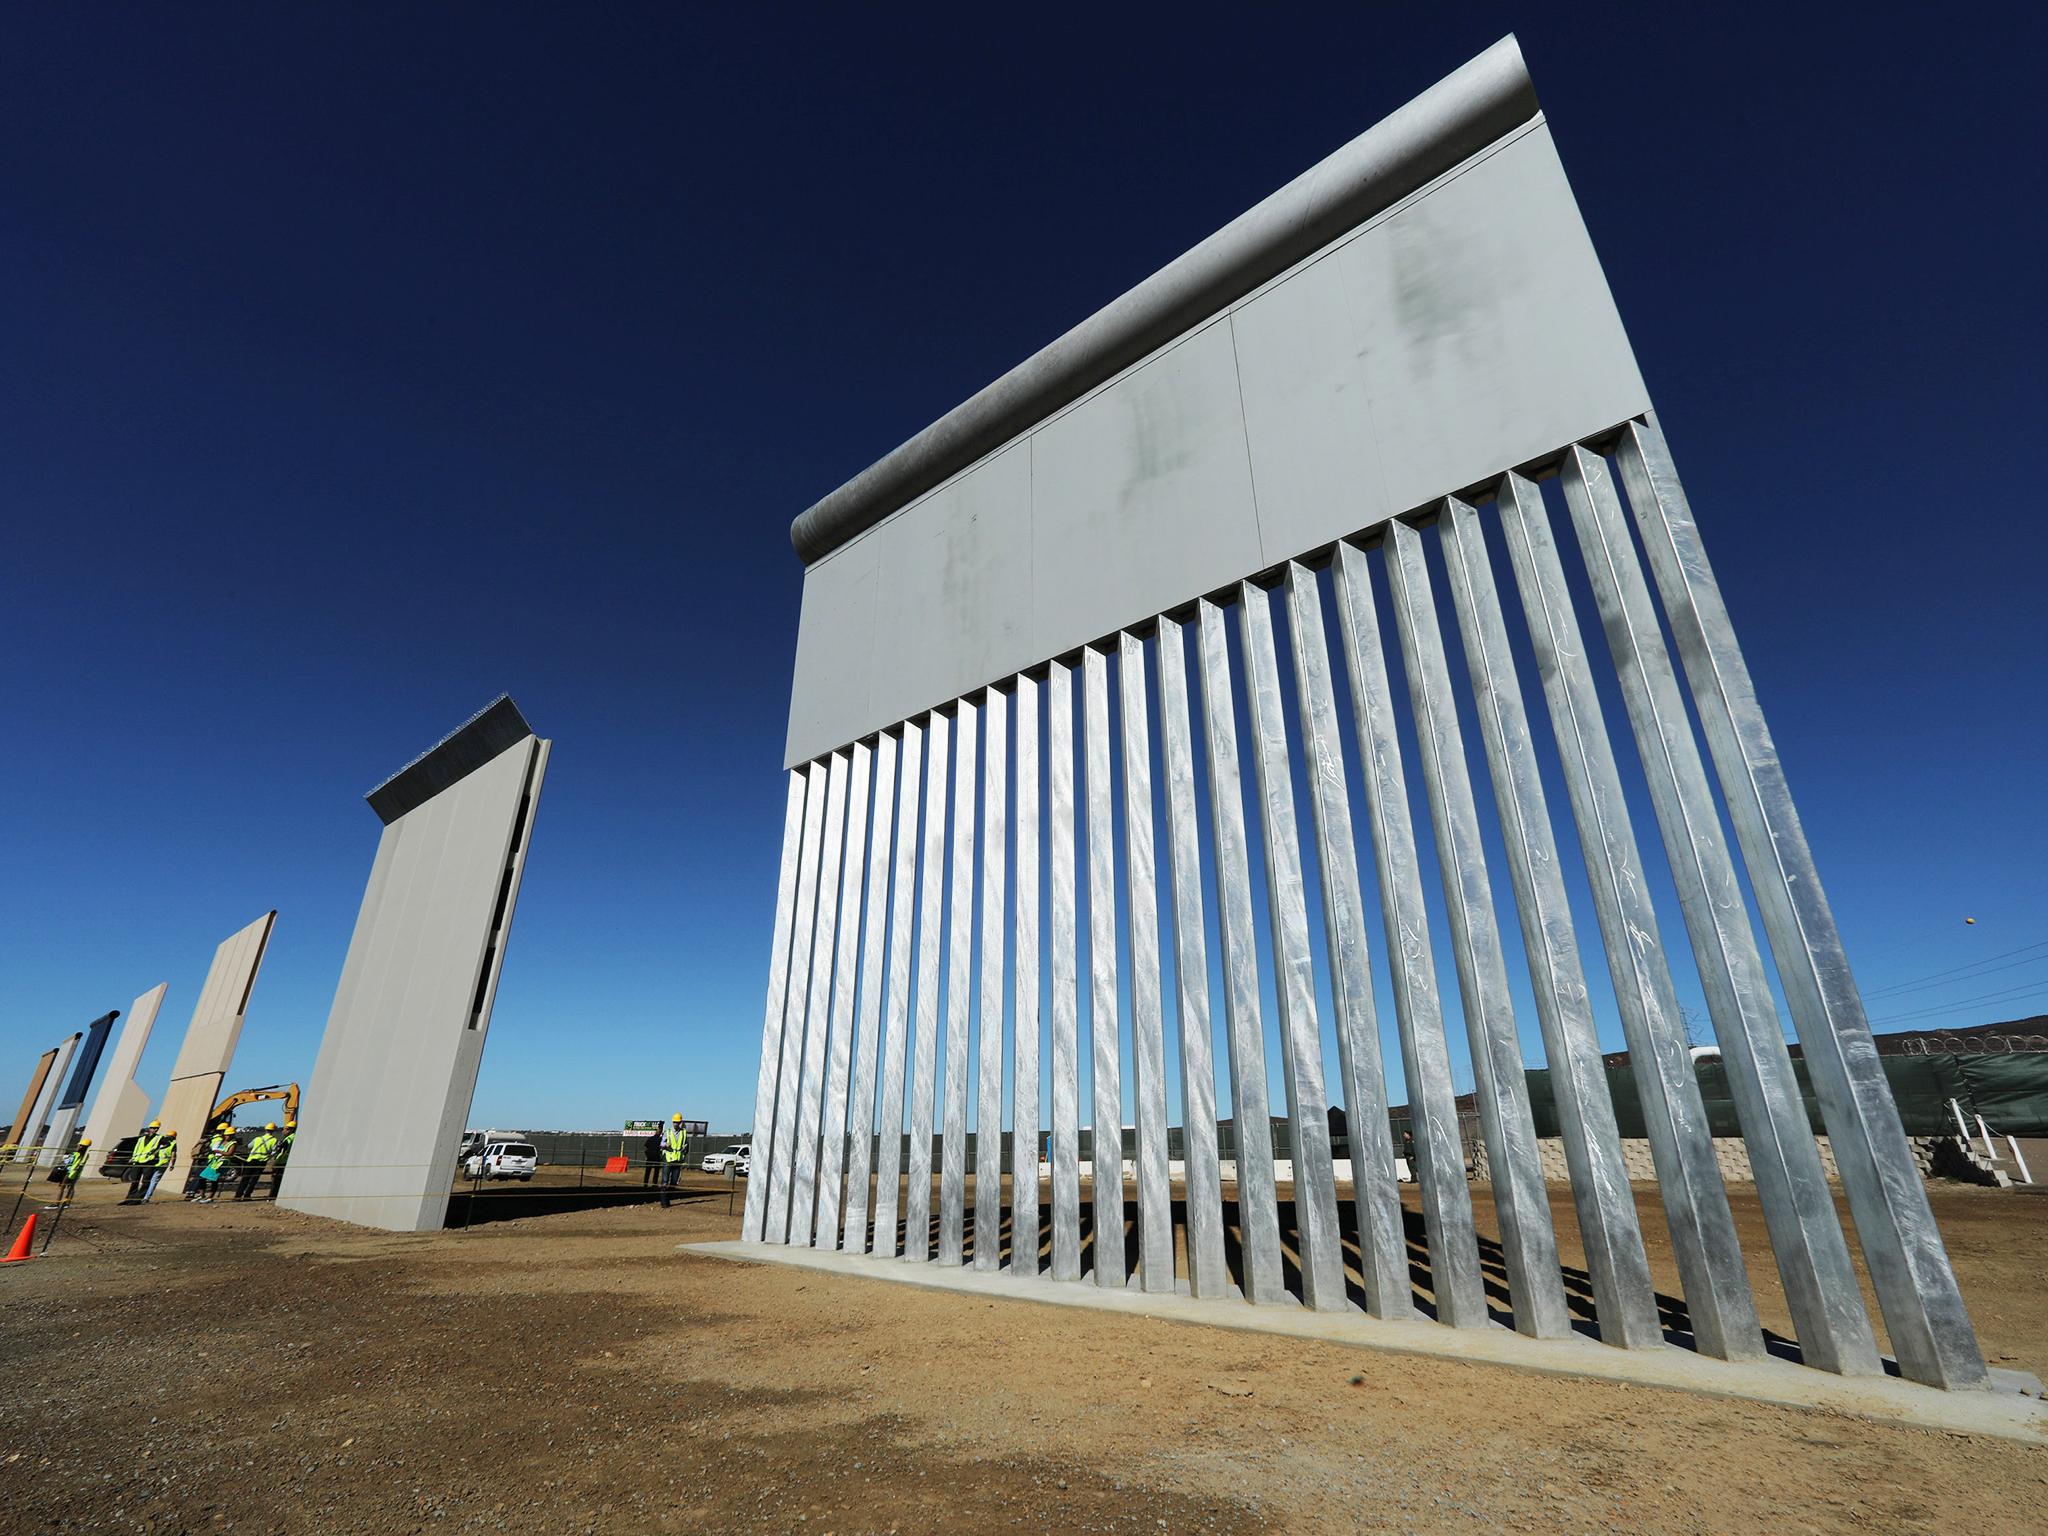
175,1368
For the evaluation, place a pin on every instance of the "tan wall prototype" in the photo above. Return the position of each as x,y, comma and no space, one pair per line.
19,1126
120,1106
216,1028
32,1134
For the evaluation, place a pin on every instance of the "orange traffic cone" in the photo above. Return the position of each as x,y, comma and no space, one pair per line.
19,1252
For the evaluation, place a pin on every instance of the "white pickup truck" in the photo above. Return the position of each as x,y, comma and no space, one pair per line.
738,1156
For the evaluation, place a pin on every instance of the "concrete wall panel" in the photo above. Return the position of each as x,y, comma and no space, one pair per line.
70,1100
29,1095
1141,496
30,1132
1484,327
1464,331
383,1116
208,1048
120,1106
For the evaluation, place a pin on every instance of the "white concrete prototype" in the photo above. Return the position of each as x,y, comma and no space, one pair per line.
215,1030
383,1117
30,1133
120,1107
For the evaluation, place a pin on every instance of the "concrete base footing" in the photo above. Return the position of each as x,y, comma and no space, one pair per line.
2011,1409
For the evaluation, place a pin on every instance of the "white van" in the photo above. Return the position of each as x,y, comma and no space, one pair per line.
501,1160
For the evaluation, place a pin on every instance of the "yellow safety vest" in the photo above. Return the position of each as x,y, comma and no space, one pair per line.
75,1167
261,1148
673,1140
166,1151
144,1153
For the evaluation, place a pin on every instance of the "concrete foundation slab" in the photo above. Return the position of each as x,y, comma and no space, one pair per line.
2012,1408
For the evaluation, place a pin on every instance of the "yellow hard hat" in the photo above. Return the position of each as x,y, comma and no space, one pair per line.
154,1124
289,1124
676,1117
84,1142
270,1125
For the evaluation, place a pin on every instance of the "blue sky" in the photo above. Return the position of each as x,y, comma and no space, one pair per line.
362,364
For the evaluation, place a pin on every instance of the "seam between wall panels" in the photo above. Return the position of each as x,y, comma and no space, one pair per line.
1244,434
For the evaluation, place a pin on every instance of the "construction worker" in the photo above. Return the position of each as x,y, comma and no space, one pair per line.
166,1153
73,1167
142,1160
257,1159
204,1183
282,1156
673,1140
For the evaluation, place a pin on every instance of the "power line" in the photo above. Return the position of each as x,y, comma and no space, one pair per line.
1963,1003
1953,981
1913,982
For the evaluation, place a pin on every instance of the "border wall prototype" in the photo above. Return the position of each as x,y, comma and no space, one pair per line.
118,1108
383,1117
208,1049
1217,580
64,1112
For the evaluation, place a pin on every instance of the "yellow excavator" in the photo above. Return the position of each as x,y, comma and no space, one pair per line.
116,1164
225,1109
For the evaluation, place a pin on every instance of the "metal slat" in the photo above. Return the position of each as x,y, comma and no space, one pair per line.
1909,1268
1066,981
1432,1104
804,1170
1258,1211
1622,1292
1529,1246
1791,1185
1376,1197
1294,982
917,1202
832,1133
1682,1149
1108,1201
959,973
1024,1089
861,1120
1208,1271
1148,1038
782,1144
778,986
988,1120
889,1163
